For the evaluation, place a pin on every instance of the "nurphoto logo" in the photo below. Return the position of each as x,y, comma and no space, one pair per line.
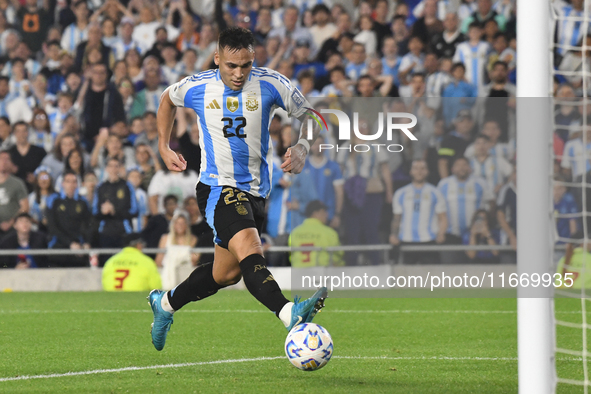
392,123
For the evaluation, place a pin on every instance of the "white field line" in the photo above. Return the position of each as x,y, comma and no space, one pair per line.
241,360
391,311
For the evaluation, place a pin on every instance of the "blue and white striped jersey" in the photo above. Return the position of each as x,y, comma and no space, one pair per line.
571,27
575,157
494,169
419,209
234,125
463,199
475,59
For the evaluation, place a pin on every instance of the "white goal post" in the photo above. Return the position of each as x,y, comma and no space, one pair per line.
535,328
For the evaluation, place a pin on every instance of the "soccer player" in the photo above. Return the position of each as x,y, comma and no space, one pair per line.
234,105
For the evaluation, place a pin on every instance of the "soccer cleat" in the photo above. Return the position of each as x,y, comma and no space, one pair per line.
304,312
162,319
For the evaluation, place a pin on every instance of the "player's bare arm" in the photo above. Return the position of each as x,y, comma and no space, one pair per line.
165,120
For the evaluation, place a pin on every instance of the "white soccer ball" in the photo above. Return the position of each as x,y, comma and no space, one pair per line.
308,346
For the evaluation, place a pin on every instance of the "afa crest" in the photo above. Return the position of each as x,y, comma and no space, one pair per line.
232,104
252,103
78,208
120,194
241,209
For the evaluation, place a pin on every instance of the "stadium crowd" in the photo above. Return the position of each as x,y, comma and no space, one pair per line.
80,85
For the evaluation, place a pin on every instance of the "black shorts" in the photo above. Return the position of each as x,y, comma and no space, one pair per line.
228,210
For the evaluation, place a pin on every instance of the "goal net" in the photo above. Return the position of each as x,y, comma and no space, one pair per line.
571,184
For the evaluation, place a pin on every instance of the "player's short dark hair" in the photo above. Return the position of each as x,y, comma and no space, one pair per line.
236,38
314,206
169,197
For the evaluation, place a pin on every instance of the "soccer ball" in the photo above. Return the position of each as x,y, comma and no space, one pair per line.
308,346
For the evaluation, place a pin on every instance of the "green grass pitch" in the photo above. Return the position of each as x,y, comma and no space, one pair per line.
381,346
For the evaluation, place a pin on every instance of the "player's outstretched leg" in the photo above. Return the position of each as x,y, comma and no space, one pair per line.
199,285
261,284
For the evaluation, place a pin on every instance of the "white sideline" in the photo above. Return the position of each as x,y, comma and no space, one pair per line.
241,360
264,311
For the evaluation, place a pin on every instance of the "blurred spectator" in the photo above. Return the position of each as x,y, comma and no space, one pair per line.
134,177
188,37
500,106
315,232
444,44
199,227
481,233
88,186
483,14
367,36
331,45
69,222
77,32
428,26
368,186
412,62
493,169
133,61
462,95
498,149
570,28
84,50
24,238
13,194
161,41
130,269
473,54
323,28
42,189
291,30
148,162
438,80
109,146
150,134
188,137
455,143
33,24
55,160
419,214
400,33
65,101
24,156
565,210
73,163
166,182
464,194
102,104
114,206
158,223
338,83
145,32
125,40
507,211
40,130
573,64
170,62
575,162
6,138
327,181
178,243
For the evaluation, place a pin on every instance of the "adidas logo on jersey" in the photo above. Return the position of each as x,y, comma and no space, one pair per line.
213,105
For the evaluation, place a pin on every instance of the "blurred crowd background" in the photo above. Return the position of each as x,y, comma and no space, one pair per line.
80,83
